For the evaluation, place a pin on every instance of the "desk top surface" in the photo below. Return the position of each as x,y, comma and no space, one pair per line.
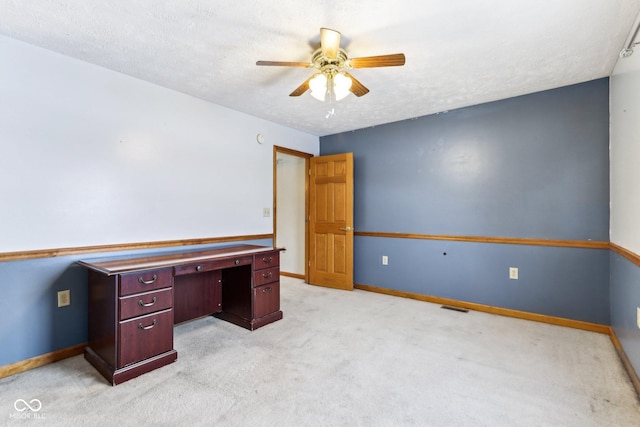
118,266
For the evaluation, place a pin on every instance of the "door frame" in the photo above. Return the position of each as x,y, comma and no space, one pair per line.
306,156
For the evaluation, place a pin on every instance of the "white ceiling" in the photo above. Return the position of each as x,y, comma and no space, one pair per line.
459,52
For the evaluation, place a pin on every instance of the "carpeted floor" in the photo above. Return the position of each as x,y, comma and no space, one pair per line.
349,359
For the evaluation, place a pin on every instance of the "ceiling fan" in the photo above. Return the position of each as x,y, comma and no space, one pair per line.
331,61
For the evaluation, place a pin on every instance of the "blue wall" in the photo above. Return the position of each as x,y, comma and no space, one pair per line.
535,166
625,294
563,282
32,324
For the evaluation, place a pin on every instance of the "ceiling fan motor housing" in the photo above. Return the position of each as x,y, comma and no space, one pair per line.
330,66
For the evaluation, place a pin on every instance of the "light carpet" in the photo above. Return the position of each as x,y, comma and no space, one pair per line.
348,359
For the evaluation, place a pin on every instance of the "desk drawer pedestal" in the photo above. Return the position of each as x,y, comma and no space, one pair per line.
251,299
130,323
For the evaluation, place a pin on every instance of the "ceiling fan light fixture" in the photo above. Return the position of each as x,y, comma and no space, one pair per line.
318,86
336,86
341,86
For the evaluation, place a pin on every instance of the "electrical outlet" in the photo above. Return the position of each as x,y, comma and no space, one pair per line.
513,273
638,317
64,298
266,212
385,260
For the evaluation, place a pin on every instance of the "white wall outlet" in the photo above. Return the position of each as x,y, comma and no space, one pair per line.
638,317
513,273
266,212
64,298
385,260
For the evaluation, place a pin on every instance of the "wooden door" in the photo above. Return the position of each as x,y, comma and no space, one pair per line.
331,221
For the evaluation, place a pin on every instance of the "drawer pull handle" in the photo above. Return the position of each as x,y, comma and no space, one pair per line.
148,282
267,261
237,261
198,268
265,290
153,301
267,276
146,328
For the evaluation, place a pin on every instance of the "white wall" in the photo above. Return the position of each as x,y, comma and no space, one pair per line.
91,156
625,152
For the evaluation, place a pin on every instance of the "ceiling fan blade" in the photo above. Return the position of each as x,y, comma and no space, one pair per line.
302,88
393,60
330,42
284,64
357,88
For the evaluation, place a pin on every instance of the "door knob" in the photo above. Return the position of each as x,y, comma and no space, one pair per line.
345,228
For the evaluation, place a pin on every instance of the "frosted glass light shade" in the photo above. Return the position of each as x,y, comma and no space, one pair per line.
336,86
318,86
341,86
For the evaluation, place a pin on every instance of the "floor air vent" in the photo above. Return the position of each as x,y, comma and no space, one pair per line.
461,310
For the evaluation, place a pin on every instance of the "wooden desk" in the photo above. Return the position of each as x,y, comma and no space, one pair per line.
134,302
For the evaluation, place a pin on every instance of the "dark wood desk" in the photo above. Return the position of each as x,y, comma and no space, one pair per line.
134,302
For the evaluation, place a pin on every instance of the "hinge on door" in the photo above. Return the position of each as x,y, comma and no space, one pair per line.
309,172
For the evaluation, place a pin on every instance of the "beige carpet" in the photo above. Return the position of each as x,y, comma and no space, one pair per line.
348,359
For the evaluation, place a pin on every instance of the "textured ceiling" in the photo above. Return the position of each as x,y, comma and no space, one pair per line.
459,52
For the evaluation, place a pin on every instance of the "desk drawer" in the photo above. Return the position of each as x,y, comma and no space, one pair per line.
144,337
145,303
266,300
268,275
143,281
270,259
212,265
